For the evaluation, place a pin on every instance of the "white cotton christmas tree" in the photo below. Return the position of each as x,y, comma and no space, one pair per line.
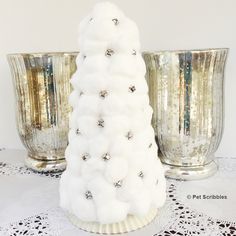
112,166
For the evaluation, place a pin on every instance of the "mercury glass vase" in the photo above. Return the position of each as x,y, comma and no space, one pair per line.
187,95
41,84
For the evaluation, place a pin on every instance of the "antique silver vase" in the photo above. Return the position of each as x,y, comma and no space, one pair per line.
187,95
41,82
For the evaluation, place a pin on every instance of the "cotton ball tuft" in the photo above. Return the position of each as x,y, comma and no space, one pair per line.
97,63
76,185
83,26
129,31
71,135
141,86
88,105
101,36
65,201
137,101
115,124
144,138
73,119
122,150
84,208
92,168
89,125
74,80
138,123
93,83
113,105
113,211
98,146
131,186
128,65
125,44
141,203
79,62
102,191
78,146
74,164
73,98
158,192
116,169
138,161
119,84
93,47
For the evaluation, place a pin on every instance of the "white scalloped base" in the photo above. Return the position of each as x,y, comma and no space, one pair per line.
131,223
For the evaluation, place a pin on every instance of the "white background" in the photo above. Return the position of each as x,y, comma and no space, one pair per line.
51,25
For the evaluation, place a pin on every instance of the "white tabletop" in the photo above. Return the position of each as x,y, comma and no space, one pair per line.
29,203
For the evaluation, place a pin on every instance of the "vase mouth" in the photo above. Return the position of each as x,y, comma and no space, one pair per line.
39,54
187,50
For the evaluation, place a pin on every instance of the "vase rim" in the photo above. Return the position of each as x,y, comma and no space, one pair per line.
188,50
42,53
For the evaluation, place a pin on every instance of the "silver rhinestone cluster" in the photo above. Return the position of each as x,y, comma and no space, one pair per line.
141,175
85,156
106,157
129,135
101,123
116,21
134,52
88,195
132,88
103,93
109,52
118,184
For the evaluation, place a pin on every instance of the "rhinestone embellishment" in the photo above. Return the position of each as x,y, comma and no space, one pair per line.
118,184
101,123
88,195
103,93
106,157
141,175
134,52
129,135
85,157
115,20
132,89
109,52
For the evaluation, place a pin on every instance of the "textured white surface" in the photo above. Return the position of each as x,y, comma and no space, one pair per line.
29,203
30,25
110,89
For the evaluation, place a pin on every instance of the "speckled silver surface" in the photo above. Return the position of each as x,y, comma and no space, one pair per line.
186,93
42,87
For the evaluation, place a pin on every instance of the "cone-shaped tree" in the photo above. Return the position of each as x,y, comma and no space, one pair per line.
113,169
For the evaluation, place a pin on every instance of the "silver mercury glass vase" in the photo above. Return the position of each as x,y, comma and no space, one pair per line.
42,87
187,94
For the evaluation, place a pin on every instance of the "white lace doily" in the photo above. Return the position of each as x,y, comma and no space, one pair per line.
29,203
